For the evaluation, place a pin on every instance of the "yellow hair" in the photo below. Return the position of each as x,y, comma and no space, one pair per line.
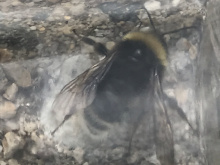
152,42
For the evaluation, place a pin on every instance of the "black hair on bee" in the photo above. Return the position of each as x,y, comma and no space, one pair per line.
128,79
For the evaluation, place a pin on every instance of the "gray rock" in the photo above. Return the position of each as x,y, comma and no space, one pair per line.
5,55
11,143
144,162
77,9
1,149
117,153
154,160
7,110
3,163
33,28
152,5
78,154
30,127
180,61
13,162
53,1
175,2
193,52
38,0
109,45
183,44
12,125
133,158
18,73
58,11
15,3
11,92
38,144
3,80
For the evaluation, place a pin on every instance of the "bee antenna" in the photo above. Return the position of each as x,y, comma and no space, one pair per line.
99,47
151,21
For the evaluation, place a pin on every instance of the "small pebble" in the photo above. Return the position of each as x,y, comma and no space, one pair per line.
33,28
5,55
110,45
182,44
67,17
78,154
7,110
42,29
13,162
11,143
2,162
11,92
30,127
18,73
152,5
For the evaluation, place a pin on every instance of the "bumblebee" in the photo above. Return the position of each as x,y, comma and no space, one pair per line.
123,87
107,88
120,88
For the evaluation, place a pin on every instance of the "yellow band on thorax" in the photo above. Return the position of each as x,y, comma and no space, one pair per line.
152,42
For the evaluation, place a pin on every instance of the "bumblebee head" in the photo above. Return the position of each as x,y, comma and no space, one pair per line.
152,42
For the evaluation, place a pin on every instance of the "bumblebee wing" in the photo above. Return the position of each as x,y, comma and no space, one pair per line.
163,130
173,105
80,92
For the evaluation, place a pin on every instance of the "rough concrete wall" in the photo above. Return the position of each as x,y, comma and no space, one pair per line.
40,53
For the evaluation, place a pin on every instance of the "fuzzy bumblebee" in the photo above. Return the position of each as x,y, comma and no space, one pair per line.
121,88
106,89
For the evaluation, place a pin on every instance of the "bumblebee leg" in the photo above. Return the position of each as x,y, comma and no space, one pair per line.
162,127
65,118
163,134
172,103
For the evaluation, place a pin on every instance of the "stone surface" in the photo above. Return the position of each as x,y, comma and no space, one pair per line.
52,30
11,143
13,162
152,5
30,127
110,45
1,149
193,52
53,1
33,28
12,125
11,92
77,9
2,162
175,2
117,153
182,44
5,55
7,110
3,79
16,3
78,154
18,73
